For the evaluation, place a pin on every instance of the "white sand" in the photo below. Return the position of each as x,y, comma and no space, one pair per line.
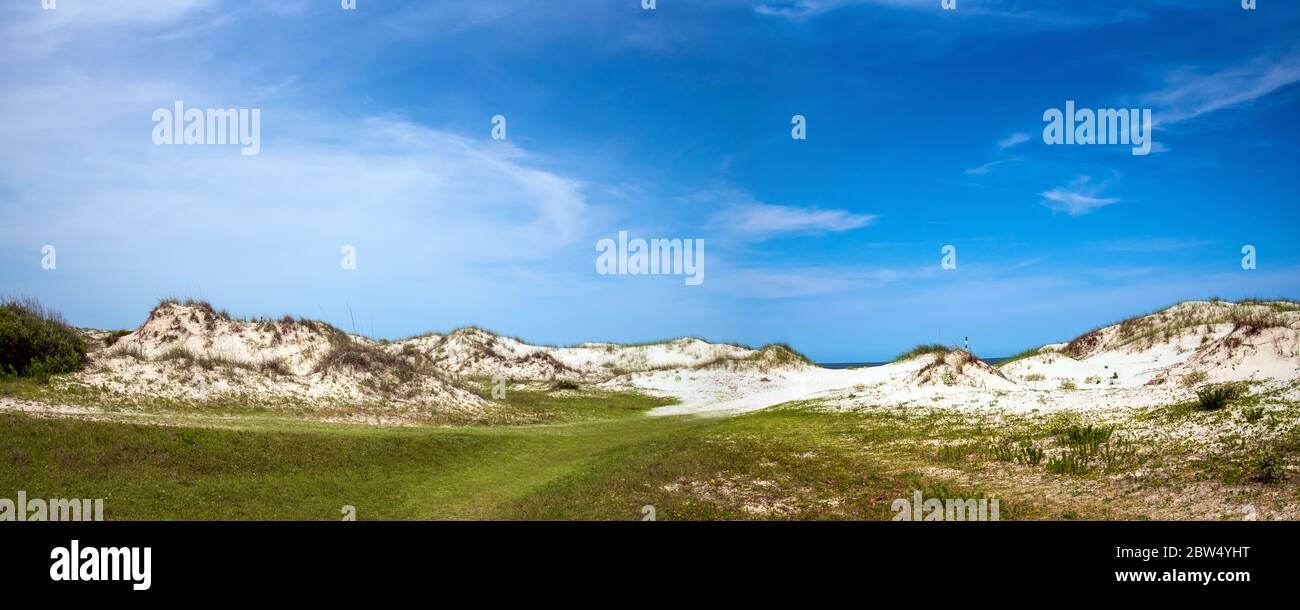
1136,364
1146,361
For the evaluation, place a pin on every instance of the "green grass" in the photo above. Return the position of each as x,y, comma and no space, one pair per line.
1029,353
786,462
568,402
921,350
789,463
1070,462
273,470
596,455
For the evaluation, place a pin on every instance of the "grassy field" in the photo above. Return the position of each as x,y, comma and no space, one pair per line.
265,467
596,455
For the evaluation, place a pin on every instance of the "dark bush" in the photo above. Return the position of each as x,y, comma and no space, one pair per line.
36,342
1217,397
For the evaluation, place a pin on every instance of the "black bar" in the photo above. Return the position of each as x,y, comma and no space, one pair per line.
237,559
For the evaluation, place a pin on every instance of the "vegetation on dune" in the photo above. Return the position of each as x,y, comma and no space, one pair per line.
765,358
203,306
1194,379
921,350
1247,315
36,342
349,354
113,336
1217,397
1029,353
779,354
1082,345
1252,322
205,361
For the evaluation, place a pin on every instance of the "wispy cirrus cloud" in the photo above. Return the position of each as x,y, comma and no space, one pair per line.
1013,140
1079,198
1004,145
758,220
988,167
1192,93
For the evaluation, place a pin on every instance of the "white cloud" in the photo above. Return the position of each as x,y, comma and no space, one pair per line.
1004,144
35,32
764,220
1012,140
1077,199
88,169
1191,94
988,167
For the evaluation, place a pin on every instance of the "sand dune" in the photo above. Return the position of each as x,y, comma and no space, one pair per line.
1145,361
190,352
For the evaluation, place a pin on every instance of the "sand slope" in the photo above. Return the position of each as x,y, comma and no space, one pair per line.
191,352
1149,360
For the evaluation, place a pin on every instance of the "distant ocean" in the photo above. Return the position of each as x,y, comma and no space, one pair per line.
850,365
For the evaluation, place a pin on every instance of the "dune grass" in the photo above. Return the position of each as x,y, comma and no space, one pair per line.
921,350
1029,353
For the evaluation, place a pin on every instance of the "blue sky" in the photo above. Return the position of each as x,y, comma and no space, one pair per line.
924,130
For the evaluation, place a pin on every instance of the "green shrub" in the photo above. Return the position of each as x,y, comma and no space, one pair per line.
957,452
1069,462
1217,397
36,342
1003,451
1029,455
1117,455
1087,440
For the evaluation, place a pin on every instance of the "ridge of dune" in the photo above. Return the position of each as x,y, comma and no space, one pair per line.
1159,358
191,351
